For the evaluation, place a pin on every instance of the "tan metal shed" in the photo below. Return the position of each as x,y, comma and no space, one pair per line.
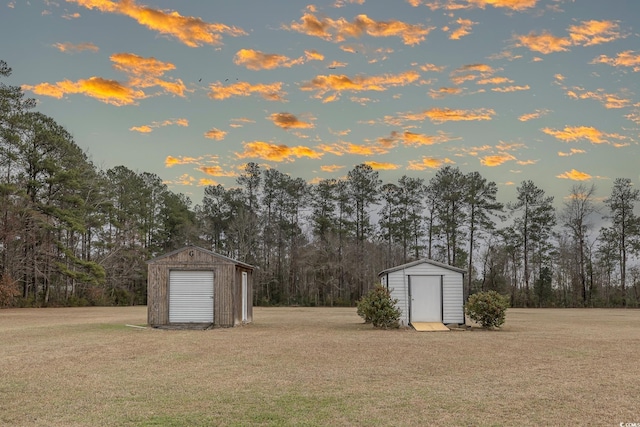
196,287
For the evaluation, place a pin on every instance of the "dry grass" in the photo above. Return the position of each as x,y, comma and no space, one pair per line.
317,366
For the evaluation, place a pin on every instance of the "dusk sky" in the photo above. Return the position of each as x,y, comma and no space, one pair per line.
192,90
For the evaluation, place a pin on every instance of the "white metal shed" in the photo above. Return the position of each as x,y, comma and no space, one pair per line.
427,291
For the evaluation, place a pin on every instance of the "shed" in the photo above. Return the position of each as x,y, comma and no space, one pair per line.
196,287
427,291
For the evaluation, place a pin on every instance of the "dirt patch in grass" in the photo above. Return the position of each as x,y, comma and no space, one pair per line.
317,366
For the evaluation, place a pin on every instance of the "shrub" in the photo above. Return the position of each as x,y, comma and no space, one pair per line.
379,309
9,291
487,308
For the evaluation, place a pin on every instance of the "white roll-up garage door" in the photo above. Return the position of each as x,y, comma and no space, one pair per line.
190,296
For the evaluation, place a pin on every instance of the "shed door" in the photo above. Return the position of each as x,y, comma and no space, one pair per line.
245,292
426,298
190,296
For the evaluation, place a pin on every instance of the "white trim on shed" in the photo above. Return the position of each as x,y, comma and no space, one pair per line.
451,296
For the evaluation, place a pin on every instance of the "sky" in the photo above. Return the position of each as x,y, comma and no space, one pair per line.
192,90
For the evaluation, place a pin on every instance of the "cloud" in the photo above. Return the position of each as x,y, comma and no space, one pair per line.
191,31
572,152
216,134
240,122
107,91
216,171
441,115
432,67
256,60
337,64
146,72
276,153
575,175
73,48
313,55
428,163
341,29
155,125
494,81
465,29
412,139
576,133
444,91
593,32
510,88
330,168
70,16
610,101
536,115
338,83
171,161
382,165
496,160
342,148
627,58
544,43
289,121
270,92
517,5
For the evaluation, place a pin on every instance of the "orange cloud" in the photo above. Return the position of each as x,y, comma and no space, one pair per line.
532,116
189,30
289,121
339,83
443,91
341,29
256,60
610,101
627,58
496,160
465,29
575,133
205,182
544,43
382,165
494,81
171,161
362,150
313,55
270,92
216,134
441,115
593,32
72,48
154,125
431,67
337,64
572,152
518,5
428,163
510,88
216,171
146,72
107,91
276,153
575,175
330,168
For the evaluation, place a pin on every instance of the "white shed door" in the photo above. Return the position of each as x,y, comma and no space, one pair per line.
426,298
190,296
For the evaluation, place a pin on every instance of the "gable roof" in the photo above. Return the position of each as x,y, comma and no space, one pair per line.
422,261
206,251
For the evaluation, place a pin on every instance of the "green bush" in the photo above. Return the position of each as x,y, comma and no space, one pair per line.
379,309
487,308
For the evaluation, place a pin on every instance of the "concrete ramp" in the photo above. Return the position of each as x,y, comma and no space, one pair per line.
429,326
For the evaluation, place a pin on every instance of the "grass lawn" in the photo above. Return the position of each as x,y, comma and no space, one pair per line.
317,366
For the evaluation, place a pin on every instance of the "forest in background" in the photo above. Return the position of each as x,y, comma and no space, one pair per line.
72,234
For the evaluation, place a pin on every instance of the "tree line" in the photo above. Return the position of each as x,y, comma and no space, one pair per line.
72,234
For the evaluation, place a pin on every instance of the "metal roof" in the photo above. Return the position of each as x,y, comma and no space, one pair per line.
207,251
422,261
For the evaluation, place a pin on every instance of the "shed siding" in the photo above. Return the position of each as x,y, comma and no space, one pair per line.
227,285
452,290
